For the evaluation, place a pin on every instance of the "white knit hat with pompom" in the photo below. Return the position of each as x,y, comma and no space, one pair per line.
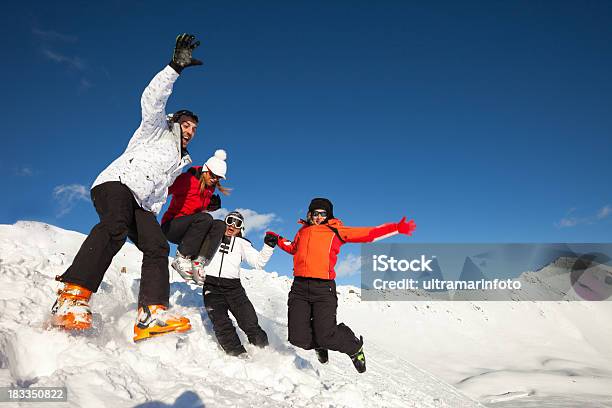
216,164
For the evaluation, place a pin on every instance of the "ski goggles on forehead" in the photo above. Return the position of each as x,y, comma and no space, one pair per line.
319,213
235,221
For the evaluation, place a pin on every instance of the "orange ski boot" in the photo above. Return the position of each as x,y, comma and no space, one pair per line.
156,320
71,309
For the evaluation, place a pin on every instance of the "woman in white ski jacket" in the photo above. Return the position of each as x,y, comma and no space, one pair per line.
127,196
223,292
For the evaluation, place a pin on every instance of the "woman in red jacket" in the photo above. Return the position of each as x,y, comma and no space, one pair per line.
312,301
187,222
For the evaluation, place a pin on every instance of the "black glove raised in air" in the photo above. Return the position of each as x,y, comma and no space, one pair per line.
182,58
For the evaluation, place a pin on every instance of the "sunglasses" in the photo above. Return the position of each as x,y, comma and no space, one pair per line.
235,221
319,213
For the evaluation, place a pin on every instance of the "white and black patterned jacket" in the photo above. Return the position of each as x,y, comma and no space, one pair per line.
230,254
153,158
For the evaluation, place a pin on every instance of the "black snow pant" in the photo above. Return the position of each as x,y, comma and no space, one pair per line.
121,217
312,324
222,295
195,234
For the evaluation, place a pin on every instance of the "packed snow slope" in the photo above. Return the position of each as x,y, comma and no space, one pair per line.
106,369
419,354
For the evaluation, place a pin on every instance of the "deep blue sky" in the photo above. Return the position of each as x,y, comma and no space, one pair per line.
484,121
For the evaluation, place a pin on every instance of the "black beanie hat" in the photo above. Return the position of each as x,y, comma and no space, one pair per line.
322,204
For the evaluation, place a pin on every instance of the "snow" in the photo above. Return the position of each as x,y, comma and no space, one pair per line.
419,354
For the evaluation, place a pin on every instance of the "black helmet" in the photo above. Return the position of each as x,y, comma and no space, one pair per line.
176,116
320,203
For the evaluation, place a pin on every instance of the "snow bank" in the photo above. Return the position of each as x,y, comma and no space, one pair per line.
105,368
503,354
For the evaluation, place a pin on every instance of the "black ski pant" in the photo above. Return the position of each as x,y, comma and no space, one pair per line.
312,324
195,234
121,217
223,295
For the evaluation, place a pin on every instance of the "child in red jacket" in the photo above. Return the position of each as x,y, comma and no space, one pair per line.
312,301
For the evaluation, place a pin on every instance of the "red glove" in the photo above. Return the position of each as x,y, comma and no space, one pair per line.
406,228
274,233
271,239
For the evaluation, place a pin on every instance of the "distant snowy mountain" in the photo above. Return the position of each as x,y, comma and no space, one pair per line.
420,354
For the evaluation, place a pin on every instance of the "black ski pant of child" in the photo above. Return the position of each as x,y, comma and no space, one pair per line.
121,217
312,324
222,295
195,234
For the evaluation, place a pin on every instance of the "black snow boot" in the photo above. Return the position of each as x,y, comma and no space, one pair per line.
237,351
358,359
322,355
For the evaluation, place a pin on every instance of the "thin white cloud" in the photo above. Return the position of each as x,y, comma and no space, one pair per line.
567,222
50,35
350,265
85,85
571,221
24,172
68,196
49,41
604,212
74,62
254,221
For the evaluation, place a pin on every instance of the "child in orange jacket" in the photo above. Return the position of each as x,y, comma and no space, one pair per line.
312,301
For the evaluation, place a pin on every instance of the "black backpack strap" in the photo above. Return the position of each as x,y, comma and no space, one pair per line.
336,232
